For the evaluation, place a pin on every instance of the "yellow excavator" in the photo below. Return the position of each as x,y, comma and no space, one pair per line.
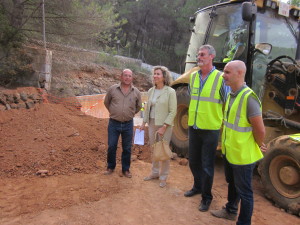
268,30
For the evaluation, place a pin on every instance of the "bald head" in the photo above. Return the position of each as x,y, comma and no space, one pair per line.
126,71
126,78
234,74
238,66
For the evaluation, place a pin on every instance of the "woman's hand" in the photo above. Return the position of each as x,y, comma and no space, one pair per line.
142,127
161,131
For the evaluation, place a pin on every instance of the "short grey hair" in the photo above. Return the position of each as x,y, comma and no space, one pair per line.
211,49
166,74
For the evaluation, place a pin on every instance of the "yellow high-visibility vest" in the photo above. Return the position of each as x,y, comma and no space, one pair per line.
143,106
231,52
295,137
238,143
205,109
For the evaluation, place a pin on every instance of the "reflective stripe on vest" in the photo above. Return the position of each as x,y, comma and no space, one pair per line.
238,143
295,137
235,125
205,110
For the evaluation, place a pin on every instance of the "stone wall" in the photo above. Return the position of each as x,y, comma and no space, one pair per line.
26,98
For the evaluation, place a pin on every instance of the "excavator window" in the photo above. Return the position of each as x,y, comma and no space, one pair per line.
278,31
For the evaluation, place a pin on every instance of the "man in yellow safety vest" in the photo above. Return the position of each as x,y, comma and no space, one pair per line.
208,93
242,143
236,50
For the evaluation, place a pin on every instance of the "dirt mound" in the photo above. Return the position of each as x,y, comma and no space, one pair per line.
53,138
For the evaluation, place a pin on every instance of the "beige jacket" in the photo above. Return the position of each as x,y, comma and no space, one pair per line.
165,107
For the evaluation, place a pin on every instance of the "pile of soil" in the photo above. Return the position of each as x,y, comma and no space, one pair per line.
53,137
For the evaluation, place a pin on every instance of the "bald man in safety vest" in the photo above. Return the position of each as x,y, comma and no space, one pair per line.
242,143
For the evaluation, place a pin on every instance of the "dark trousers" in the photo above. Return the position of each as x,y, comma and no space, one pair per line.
202,151
233,198
115,129
239,179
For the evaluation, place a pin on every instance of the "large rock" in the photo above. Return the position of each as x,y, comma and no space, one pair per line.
23,96
2,99
17,97
9,98
22,105
30,104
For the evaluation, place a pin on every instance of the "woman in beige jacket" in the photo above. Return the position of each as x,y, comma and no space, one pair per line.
159,114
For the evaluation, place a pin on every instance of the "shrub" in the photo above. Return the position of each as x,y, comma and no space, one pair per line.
16,65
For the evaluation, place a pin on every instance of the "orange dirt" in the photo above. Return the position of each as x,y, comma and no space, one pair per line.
52,159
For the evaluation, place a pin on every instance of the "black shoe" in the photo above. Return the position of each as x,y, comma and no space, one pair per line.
191,193
204,205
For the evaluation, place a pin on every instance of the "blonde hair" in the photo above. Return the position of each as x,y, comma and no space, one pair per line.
166,74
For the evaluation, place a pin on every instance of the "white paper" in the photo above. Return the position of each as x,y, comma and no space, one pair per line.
139,137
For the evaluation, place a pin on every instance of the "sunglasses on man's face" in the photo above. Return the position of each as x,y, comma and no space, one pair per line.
201,54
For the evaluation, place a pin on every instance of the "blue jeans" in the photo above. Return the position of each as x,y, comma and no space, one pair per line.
239,179
115,129
202,151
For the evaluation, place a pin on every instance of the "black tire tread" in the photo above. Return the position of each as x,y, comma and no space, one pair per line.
178,146
279,146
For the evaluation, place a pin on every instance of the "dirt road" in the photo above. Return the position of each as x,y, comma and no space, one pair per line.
82,199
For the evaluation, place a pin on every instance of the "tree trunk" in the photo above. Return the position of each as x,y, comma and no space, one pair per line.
170,42
17,14
137,37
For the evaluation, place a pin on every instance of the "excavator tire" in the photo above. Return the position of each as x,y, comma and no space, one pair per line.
280,173
179,140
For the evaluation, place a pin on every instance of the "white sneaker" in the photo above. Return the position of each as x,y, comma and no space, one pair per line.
162,183
151,177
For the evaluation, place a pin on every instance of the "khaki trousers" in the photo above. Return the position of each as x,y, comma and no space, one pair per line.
159,169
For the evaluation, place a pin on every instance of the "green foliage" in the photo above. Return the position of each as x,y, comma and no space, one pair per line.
15,66
10,37
81,23
14,62
295,3
154,31
158,30
108,59
180,49
75,22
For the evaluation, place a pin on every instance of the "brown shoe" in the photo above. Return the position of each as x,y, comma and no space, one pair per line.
108,172
222,213
127,174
